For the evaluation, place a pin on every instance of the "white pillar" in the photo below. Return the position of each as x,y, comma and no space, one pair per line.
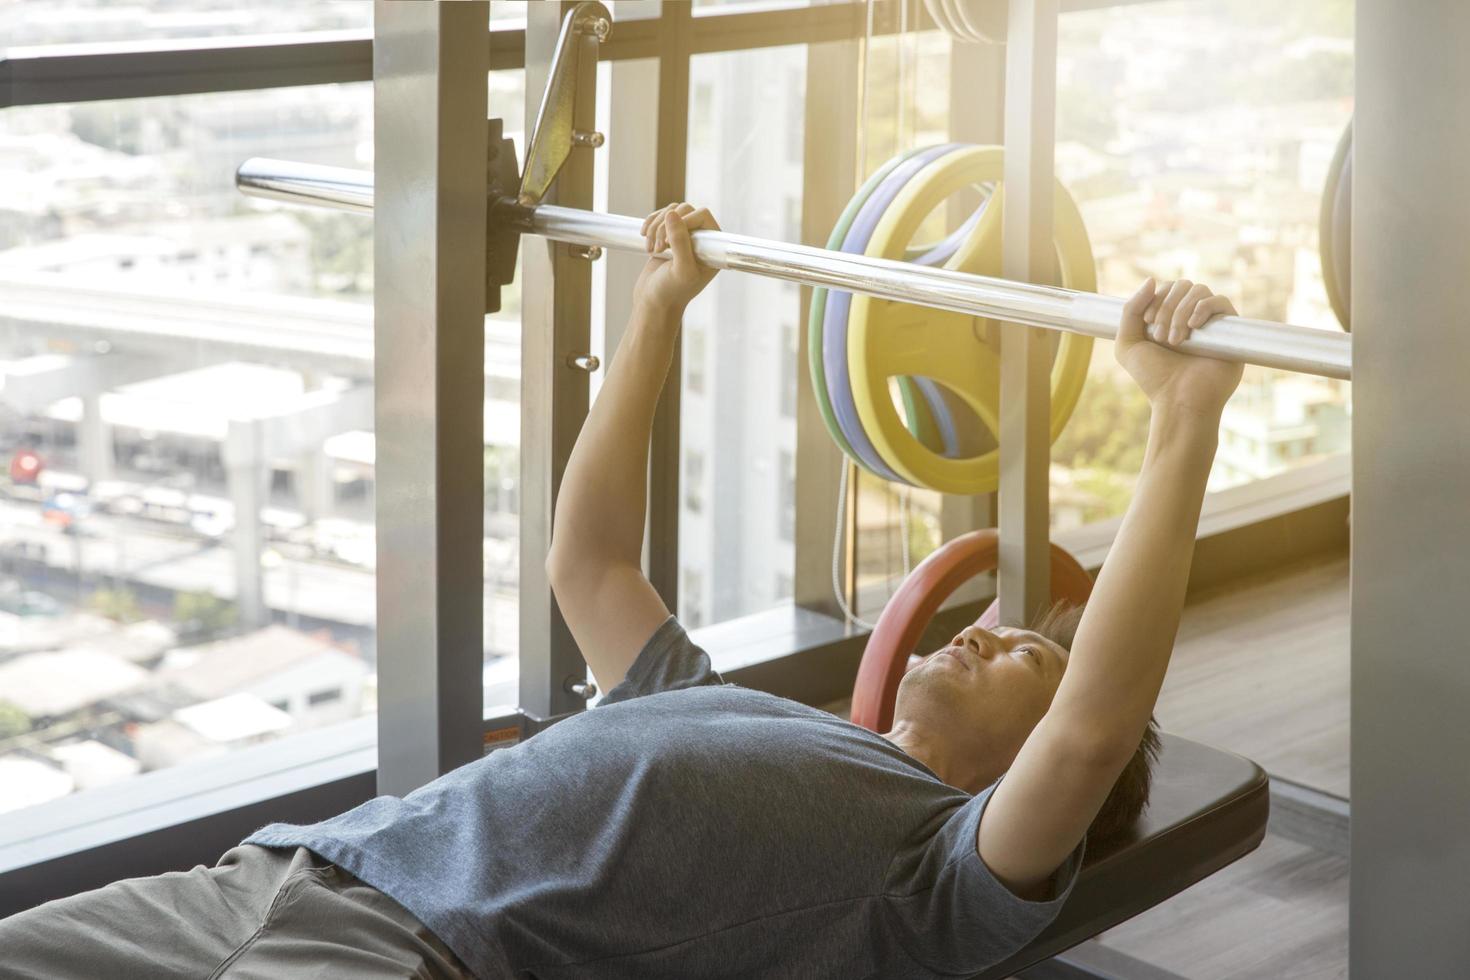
246,476
315,492
94,439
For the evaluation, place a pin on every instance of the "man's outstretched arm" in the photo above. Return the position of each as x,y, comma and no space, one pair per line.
1065,770
595,563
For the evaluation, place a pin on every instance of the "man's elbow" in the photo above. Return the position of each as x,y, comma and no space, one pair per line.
566,571
1095,747
575,576
557,565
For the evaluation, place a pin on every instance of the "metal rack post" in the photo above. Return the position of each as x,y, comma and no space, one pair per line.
429,65
1023,577
556,308
1411,472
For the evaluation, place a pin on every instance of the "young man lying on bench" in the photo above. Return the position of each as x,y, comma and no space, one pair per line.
690,828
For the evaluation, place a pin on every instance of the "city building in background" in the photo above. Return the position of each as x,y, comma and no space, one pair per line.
740,372
187,541
1206,161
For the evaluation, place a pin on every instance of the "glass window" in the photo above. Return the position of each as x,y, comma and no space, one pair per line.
795,129
503,447
701,113
694,481
905,104
692,598
1208,166
792,231
789,371
24,23
738,166
705,7
325,696
636,9
694,359
507,15
173,586
897,527
502,504
786,489
904,100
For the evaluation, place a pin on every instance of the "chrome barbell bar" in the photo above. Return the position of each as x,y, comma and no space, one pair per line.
1303,350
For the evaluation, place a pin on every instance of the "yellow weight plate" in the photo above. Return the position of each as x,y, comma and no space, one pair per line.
888,339
937,344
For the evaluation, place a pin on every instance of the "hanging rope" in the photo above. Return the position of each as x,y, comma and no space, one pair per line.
838,591
906,126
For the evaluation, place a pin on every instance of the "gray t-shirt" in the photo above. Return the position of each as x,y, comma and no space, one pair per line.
690,828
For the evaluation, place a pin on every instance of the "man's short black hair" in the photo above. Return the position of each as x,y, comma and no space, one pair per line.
1129,794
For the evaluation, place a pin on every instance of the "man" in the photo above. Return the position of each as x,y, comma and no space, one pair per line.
688,828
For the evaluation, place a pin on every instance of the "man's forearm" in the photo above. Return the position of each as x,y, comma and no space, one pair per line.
1071,761
600,508
1122,647
594,567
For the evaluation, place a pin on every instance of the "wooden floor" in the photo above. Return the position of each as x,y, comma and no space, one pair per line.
1280,913
1260,668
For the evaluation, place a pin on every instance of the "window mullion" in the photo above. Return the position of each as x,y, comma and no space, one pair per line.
430,138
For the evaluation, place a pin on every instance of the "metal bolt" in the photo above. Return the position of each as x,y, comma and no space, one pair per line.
589,252
584,689
598,27
588,137
584,362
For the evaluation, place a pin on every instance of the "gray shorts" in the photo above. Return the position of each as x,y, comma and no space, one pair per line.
260,913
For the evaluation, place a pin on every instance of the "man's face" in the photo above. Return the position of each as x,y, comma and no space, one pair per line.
985,691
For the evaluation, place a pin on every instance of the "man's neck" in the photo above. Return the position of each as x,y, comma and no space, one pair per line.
966,771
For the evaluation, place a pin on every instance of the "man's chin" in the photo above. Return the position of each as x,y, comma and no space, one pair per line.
929,692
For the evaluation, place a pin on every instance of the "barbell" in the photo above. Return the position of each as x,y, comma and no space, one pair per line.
1285,347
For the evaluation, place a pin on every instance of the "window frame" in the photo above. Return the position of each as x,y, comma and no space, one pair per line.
803,650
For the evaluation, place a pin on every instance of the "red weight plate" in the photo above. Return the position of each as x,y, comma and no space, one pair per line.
919,598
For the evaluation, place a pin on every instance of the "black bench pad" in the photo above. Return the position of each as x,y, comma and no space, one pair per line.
1207,808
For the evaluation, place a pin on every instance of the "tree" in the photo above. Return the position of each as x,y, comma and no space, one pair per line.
13,721
204,613
341,251
120,605
1109,429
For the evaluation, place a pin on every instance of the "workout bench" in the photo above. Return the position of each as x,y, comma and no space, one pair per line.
1207,808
